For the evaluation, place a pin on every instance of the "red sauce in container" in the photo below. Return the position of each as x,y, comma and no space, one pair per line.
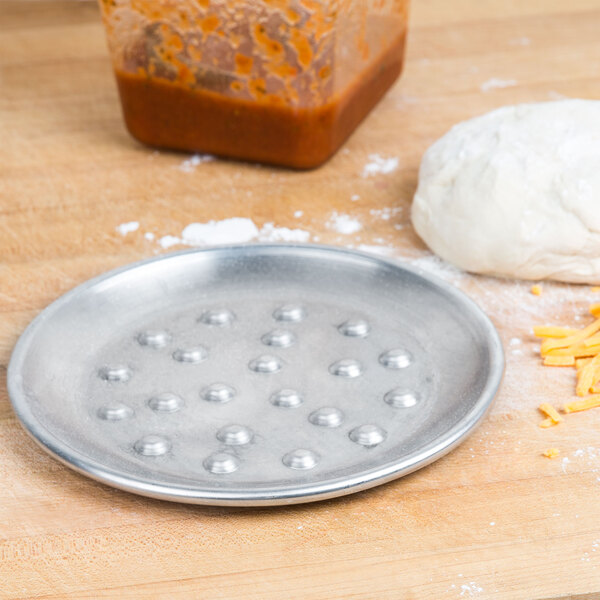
170,109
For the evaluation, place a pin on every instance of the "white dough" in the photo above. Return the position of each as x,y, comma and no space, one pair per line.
516,192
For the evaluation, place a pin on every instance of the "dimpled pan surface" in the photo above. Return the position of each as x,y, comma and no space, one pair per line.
255,375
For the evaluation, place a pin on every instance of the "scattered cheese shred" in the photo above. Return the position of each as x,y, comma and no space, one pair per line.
592,341
588,376
571,340
550,412
559,361
553,332
581,362
551,452
577,351
585,404
536,290
579,348
596,289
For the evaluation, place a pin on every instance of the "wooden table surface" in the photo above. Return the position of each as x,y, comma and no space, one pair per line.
493,519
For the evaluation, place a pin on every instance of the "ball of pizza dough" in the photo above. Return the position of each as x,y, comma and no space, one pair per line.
516,193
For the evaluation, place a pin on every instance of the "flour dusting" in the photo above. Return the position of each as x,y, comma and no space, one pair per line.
378,165
385,213
270,233
344,224
495,83
169,240
125,228
380,250
470,589
236,230
590,454
228,231
436,266
189,165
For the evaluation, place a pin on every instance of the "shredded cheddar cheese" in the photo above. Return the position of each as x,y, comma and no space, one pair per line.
550,412
536,290
581,362
585,404
593,341
577,351
559,361
588,376
571,340
553,332
551,452
579,348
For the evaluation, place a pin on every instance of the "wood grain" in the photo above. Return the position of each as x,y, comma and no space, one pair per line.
494,519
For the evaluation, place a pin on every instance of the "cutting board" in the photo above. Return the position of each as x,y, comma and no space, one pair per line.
78,196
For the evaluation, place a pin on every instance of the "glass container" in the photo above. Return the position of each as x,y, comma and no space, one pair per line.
283,82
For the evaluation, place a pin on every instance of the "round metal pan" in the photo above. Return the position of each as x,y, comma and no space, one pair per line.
255,375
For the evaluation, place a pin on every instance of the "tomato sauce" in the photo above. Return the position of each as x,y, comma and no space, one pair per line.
168,114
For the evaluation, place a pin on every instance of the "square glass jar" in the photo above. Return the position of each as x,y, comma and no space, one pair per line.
282,82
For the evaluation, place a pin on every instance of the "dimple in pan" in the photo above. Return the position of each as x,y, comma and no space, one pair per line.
255,375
